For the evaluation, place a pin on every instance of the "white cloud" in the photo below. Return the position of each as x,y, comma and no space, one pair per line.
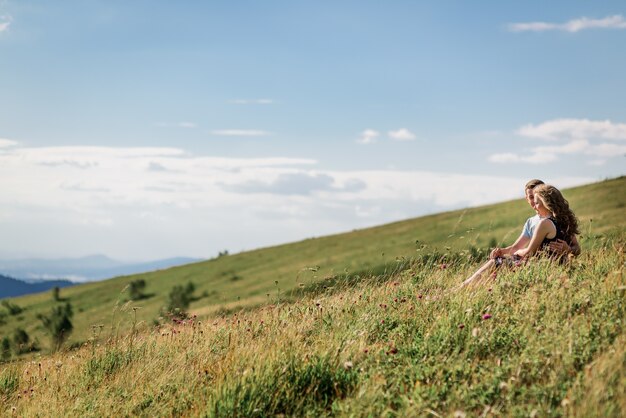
597,163
251,101
102,207
577,136
368,136
534,158
240,132
575,25
573,147
606,150
556,129
5,143
5,22
402,134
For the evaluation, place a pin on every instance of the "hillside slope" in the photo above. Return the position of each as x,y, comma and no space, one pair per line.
544,340
253,278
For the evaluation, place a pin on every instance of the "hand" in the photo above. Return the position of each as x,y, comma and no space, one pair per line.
560,247
521,253
495,253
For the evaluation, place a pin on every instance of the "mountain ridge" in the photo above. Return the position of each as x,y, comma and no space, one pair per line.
12,287
82,269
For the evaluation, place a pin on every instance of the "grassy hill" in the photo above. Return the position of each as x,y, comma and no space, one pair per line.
257,277
543,340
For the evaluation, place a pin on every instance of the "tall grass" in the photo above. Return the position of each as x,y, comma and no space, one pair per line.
543,340
244,280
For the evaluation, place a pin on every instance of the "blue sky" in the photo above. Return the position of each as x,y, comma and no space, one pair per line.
148,129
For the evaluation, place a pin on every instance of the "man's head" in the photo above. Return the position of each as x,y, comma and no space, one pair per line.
528,191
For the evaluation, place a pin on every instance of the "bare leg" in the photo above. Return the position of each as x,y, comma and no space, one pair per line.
478,277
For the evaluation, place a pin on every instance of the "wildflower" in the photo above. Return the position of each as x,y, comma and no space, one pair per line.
443,266
461,326
393,350
420,296
486,316
366,351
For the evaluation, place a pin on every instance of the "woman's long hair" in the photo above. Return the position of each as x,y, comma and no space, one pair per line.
554,201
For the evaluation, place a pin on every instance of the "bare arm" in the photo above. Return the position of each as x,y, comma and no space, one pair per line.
545,228
520,243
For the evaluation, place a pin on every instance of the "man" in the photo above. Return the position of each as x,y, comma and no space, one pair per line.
558,246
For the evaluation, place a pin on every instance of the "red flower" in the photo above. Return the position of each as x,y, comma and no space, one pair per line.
486,316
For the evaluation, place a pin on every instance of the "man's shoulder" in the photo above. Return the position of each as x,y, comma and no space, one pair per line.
533,219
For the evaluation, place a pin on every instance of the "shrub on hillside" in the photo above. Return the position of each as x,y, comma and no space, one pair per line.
5,349
12,308
58,323
136,288
20,341
179,299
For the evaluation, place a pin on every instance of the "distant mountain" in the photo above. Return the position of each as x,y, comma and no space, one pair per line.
10,287
90,268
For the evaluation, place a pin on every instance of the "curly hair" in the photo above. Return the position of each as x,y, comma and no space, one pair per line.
554,201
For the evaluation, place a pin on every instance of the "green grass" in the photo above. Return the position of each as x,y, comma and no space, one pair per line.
386,340
249,279
545,340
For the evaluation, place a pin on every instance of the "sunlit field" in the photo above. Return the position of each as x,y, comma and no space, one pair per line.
360,324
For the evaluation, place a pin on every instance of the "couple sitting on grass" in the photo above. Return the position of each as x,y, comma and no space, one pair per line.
551,232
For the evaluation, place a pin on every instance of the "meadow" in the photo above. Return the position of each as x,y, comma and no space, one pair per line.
356,324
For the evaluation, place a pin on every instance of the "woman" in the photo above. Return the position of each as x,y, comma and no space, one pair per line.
557,222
